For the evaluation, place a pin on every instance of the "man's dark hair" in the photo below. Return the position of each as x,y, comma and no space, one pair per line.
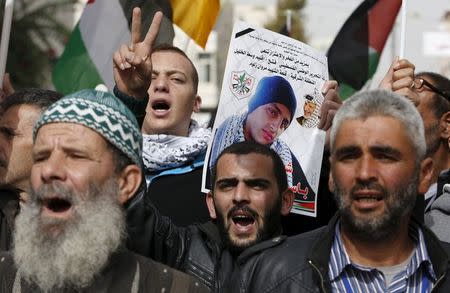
31,96
249,147
168,47
440,104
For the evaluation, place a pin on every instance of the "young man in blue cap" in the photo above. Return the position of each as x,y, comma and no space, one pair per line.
270,112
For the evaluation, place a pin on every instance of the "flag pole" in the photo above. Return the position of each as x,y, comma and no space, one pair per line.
6,29
289,20
403,30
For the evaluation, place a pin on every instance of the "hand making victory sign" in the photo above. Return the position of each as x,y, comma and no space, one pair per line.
132,65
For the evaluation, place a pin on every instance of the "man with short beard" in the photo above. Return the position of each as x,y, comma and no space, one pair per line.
249,196
373,244
86,166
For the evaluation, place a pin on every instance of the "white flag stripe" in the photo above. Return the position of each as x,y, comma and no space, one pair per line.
104,28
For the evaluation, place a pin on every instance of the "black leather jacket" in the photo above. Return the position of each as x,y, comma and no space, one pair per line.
196,249
300,264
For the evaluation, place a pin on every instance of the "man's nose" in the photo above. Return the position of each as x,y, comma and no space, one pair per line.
53,169
160,84
275,125
241,193
366,169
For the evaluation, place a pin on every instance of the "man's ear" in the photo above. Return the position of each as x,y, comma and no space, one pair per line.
197,104
210,204
287,201
426,172
129,180
444,123
331,182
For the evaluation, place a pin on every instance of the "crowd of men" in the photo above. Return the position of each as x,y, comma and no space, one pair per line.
100,192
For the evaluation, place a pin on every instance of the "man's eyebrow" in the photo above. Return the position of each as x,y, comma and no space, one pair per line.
7,130
386,150
168,72
257,181
276,107
227,180
346,150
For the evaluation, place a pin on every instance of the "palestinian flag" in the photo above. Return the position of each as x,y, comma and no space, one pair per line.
103,27
196,17
353,57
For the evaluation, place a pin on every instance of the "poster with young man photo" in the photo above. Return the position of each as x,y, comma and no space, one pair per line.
267,81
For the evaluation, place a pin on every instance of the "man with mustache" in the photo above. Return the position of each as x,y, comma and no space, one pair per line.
19,112
373,244
249,196
69,234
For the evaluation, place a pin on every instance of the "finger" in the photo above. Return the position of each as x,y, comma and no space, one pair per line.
406,72
136,26
329,84
386,82
405,82
153,30
127,56
118,61
329,120
404,63
7,85
143,67
327,108
332,94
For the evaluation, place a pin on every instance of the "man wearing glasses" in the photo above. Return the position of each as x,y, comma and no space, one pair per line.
433,91
430,92
434,94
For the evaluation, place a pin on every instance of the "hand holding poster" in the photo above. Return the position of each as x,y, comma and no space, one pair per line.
271,95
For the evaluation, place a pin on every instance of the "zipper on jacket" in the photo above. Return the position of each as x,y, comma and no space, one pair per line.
320,275
437,282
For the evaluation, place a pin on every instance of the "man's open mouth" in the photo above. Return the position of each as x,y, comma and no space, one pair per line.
56,205
160,106
242,218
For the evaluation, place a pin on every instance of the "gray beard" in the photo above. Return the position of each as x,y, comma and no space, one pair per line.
81,250
398,204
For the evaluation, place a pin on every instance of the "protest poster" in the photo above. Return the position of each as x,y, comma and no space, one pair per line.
271,94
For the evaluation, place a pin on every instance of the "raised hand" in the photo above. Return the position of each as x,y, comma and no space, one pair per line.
132,65
400,79
331,103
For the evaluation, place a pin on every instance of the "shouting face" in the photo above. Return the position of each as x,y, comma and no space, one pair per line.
246,202
375,176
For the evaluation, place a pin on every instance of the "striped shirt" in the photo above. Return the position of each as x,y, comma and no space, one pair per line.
346,276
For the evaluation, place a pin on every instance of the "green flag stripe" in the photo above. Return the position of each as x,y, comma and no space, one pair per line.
75,69
346,90
374,57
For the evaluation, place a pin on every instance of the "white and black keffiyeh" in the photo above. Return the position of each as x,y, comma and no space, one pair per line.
162,151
